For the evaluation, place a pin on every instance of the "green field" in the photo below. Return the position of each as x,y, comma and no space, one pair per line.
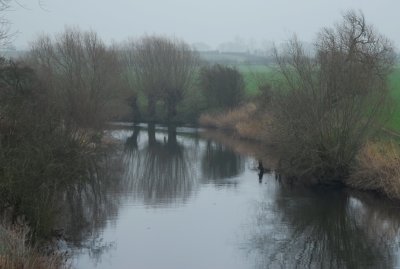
255,75
394,81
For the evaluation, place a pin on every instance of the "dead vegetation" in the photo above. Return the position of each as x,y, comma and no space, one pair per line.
378,168
17,253
244,121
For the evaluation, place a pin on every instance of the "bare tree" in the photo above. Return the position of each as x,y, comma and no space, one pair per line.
333,100
5,33
163,69
82,72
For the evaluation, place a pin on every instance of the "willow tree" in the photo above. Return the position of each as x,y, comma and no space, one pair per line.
82,72
164,69
334,99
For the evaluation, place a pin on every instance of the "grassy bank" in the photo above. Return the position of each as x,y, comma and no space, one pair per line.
377,165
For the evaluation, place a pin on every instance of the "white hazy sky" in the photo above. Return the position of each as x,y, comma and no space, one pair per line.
209,21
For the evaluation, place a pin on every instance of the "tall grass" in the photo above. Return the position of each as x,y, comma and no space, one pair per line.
378,168
17,253
244,121
229,119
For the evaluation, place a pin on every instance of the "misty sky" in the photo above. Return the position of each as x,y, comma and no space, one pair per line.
208,21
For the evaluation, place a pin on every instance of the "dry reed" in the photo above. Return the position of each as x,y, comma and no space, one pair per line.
244,121
378,168
17,253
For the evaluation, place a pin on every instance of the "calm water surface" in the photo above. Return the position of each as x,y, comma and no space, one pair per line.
177,200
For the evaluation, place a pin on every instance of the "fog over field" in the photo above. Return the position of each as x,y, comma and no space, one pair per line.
208,22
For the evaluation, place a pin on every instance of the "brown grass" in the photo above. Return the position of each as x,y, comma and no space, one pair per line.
228,120
378,168
16,253
244,121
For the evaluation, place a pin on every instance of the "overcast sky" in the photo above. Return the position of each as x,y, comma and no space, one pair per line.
208,21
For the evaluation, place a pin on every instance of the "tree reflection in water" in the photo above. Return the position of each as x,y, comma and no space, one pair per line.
324,229
161,172
220,163
85,207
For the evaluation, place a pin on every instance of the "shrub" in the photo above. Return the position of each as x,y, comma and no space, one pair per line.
222,86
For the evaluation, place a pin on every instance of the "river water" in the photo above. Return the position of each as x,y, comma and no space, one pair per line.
176,198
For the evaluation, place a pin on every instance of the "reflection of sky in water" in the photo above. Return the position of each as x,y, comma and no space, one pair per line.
213,213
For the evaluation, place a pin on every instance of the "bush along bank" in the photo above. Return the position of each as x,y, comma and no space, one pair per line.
327,109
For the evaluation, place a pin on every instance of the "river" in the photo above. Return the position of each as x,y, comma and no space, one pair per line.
176,198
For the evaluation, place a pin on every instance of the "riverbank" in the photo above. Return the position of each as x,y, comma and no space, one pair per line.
376,166
247,147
